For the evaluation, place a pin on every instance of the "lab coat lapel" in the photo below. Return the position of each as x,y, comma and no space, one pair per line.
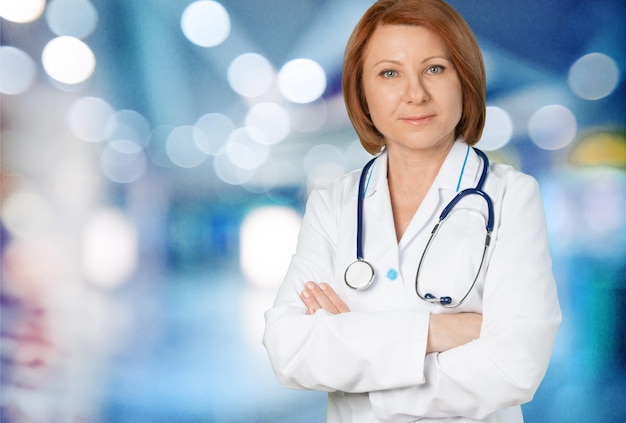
378,216
443,189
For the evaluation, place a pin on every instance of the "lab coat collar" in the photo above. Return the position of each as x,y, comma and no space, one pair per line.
378,178
452,168
379,204
448,176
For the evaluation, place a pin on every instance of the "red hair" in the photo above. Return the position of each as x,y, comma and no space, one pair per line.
442,19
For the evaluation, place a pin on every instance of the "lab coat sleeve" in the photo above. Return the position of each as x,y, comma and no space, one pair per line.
521,315
350,352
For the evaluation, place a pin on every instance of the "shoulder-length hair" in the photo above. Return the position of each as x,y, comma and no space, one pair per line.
442,19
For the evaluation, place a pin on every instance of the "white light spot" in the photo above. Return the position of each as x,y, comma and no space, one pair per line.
356,156
552,127
302,81
250,75
498,129
129,125
17,71
88,118
156,149
205,23
268,239
68,60
271,119
109,248
21,11
182,147
309,117
228,172
76,18
123,161
247,148
25,214
323,163
593,76
216,128
603,201
276,173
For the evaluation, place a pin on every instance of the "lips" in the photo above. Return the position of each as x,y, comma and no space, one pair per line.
418,120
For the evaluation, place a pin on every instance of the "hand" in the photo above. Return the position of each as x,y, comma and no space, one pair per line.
322,296
447,331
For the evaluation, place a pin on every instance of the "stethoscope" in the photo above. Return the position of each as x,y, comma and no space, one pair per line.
359,275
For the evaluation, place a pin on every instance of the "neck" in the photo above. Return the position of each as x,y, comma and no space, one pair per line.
416,170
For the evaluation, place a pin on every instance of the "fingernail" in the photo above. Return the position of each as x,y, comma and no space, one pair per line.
305,294
310,285
323,286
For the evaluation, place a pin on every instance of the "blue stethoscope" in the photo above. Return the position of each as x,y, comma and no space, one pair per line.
359,275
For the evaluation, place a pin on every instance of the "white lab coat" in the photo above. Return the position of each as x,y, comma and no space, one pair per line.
372,360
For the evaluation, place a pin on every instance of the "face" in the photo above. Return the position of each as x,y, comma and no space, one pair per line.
413,91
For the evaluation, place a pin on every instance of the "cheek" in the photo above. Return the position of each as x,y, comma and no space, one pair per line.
455,104
379,101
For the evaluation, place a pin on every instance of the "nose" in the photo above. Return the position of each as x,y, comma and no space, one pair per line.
416,91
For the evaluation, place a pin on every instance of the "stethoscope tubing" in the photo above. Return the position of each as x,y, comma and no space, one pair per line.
359,209
363,264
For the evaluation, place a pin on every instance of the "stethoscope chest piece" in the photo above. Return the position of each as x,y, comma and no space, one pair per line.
359,275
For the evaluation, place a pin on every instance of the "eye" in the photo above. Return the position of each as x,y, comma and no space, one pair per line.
388,73
435,69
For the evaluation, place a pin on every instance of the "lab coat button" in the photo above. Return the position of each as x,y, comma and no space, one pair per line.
392,274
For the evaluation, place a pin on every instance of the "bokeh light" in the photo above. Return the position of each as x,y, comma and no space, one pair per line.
205,23
593,76
270,118
603,202
109,248
302,80
17,71
309,117
123,161
156,151
247,148
215,128
182,147
323,163
268,237
250,75
159,169
600,148
498,129
274,175
228,172
26,214
68,60
22,11
552,127
75,18
89,119
129,125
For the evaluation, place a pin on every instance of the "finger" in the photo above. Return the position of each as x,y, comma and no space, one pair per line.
309,301
321,298
334,298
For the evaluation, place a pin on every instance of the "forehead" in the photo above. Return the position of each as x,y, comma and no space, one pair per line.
389,40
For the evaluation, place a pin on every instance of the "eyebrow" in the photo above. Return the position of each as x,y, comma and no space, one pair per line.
397,62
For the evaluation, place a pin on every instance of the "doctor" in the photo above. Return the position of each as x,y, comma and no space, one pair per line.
455,328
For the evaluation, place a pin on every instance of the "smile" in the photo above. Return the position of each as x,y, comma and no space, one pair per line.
418,120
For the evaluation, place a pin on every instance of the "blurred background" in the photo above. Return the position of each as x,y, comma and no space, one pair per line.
156,158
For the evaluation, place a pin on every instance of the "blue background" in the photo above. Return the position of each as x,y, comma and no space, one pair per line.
179,339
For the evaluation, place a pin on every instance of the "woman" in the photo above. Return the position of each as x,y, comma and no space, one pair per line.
414,86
